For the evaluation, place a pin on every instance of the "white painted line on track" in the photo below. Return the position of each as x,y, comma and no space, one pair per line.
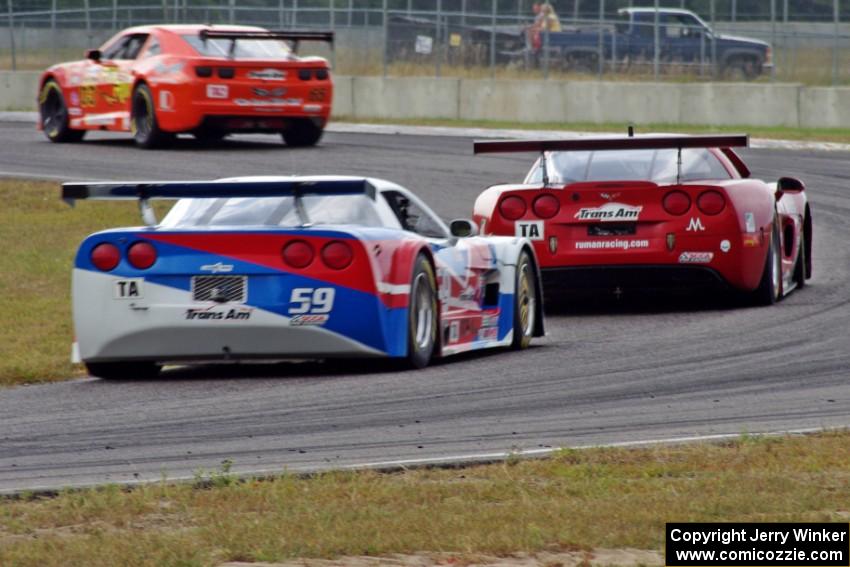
403,464
40,176
455,131
461,132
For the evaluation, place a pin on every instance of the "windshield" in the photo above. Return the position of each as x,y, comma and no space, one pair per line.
658,166
245,48
278,211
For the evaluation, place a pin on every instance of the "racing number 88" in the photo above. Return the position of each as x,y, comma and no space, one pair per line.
313,301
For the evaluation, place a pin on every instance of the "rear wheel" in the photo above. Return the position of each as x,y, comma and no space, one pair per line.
143,122
54,115
800,265
422,315
123,370
525,302
302,132
770,287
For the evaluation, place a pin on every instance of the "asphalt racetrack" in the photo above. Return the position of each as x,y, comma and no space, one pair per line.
608,371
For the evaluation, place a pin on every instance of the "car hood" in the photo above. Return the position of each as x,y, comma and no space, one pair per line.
743,40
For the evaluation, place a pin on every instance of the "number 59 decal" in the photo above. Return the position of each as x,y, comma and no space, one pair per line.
314,301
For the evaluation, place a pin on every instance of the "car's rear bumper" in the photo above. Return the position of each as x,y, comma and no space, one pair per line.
257,342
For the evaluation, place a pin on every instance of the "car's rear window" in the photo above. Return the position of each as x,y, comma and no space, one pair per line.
244,49
273,211
658,166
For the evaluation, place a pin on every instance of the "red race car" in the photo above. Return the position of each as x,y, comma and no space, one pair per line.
158,81
652,212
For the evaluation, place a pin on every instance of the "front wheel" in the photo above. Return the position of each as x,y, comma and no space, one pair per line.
123,370
770,287
143,122
302,132
54,115
422,315
525,302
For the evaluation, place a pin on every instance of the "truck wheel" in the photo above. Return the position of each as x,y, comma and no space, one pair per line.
302,132
54,115
143,122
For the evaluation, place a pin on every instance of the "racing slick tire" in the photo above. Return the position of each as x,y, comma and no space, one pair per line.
302,132
422,315
54,115
769,290
122,370
143,122
800,265
525,302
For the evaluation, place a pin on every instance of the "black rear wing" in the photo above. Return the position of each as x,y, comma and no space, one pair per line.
284,35
142,190
146,190
612,143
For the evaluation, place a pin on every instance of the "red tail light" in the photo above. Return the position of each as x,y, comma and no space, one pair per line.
141,255
676,202
105,256
711,202
337,254
512,207
298,254
546,206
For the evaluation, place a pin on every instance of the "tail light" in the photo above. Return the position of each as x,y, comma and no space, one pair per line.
321,74
141,255
676,202
298,254
546,206
512,207
204,71
105,256
337,255
711,202
304,74
226,72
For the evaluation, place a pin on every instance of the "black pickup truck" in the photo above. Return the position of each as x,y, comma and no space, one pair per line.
683,39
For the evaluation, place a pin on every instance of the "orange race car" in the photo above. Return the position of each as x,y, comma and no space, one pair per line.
158,81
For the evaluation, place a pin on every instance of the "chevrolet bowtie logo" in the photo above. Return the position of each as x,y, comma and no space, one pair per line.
217,268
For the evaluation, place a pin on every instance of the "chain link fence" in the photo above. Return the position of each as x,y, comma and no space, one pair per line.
803,41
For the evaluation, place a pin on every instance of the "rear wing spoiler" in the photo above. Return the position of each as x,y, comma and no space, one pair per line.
589,144
143,191
285,35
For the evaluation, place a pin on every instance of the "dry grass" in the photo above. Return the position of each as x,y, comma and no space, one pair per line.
581,499
41,235
807,65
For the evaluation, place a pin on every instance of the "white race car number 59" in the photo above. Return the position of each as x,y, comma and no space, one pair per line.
313,301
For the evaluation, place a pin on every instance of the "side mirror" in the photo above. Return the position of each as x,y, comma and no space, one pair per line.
788,185
463,228
93,54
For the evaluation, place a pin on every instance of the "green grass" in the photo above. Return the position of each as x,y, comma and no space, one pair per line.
41,235
578,500
838,135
